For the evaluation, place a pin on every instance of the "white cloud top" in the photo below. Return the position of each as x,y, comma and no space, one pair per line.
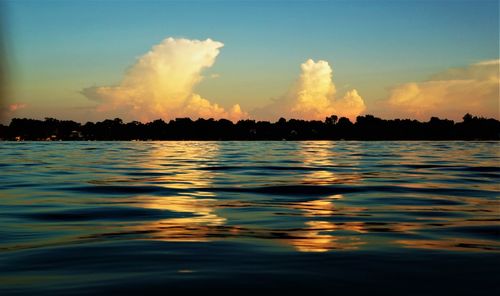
313,96
160,84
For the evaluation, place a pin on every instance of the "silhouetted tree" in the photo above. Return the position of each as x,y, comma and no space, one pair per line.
367,127
331,120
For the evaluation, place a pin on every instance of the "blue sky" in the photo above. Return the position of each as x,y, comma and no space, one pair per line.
57,48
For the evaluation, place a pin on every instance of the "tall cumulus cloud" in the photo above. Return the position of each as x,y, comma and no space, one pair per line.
160,84
314,96
450,94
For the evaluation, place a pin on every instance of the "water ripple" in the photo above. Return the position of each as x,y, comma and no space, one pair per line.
207,209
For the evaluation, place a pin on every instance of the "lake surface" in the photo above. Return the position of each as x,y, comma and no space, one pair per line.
249,218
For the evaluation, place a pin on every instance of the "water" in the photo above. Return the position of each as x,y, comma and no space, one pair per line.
252,217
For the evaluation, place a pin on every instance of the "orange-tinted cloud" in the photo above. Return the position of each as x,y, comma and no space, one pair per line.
313,96
16,106
160,84
472,89
11,110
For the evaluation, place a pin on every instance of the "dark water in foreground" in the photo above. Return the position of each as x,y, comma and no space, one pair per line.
249,217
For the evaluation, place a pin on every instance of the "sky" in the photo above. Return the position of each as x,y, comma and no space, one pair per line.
142,60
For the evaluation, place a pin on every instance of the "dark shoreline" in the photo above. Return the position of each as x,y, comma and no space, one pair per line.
366,128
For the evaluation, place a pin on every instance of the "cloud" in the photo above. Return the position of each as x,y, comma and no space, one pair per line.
10,110
450,94
16,106
313,96
160,84
488,63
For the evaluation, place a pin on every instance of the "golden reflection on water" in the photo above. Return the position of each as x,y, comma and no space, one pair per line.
317,235
182,162
318,207
452,244
321,154
198,205
195,227
202,223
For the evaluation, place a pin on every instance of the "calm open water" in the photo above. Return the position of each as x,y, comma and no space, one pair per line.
249,218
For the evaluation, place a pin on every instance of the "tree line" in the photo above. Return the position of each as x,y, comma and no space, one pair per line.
367,127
